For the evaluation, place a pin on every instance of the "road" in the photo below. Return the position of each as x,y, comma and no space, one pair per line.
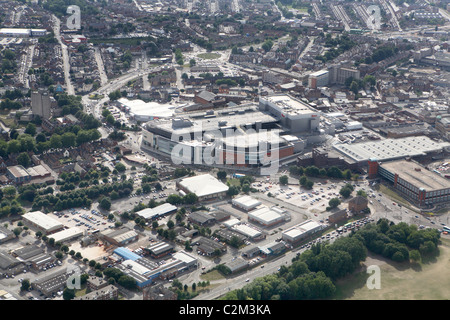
341,16
25,65
65,55
94,107
308,47
101,67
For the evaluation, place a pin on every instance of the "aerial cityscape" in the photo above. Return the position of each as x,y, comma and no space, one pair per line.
224,150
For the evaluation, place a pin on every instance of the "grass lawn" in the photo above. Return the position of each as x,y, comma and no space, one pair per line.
81,292
234,182
428,280
209,55
9,122
211,276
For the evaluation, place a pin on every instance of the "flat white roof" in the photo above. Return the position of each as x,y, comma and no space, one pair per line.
184,257
67,234
231,222
163,209
246,202
290,105
319,73
15,31
264,214
390,149
148,109
42,220
203,185
136,267
246,230
302,228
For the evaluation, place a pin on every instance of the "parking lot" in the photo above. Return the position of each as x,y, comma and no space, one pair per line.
315,201
89,220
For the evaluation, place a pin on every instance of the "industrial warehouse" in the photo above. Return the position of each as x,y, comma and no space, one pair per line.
204,186
301,231
145,272
41,222
156,212
391,149
268,217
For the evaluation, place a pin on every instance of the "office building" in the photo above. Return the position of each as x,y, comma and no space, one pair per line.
418,184
318,79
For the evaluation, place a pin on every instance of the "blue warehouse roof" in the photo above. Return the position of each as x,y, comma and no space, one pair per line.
126,254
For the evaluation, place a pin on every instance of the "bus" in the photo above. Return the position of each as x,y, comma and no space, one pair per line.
445,228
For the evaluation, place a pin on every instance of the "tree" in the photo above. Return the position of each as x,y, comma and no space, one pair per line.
362,193
13,146
68,139
190,198
174,199
115,95
303,180
267,45
25,285
309,184
9,191
334,202
30,129
345,192
105,203
17,231
414,255
284,180
235,242
233,190
127,282
68,294
120,167
221,175
23,159
427,248
354,87
55,141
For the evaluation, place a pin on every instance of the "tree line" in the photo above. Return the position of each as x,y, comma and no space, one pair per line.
313,274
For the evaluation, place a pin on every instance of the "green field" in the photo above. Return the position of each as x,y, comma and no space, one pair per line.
402,281
212,276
